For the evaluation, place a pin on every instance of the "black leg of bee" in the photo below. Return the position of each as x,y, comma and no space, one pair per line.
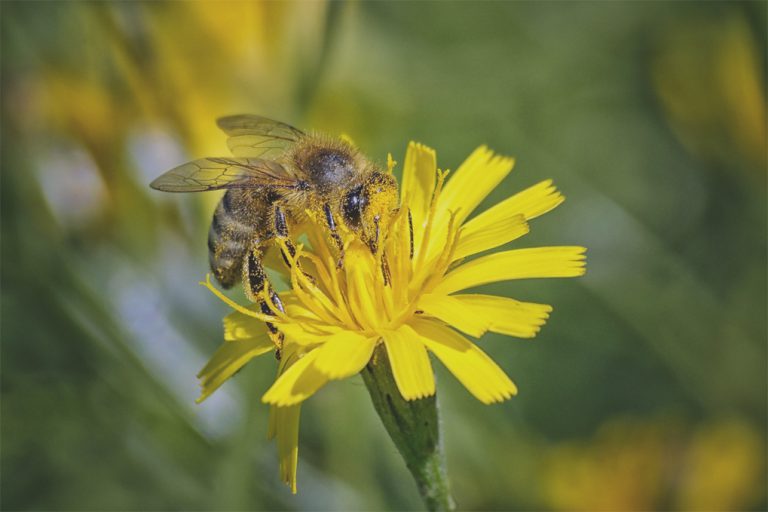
255,277
254,282
334,234
281,230
410,230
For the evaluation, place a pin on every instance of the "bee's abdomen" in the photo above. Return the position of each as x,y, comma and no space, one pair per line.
229,239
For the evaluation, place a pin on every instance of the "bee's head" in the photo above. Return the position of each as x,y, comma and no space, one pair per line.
368,207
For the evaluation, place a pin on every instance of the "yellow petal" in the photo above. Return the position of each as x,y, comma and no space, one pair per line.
506,316
344,354
361,280
475,178
410,363
228,359
290,354
474,369
294,308
419,173
286,430
480,236
297,383
309,333
453,312
500,223
517,264
531,202
238,326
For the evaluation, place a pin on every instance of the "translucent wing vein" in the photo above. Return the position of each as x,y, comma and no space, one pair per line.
224,173
254,136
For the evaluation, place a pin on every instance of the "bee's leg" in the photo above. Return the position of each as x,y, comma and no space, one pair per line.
334,233
281,232
254,281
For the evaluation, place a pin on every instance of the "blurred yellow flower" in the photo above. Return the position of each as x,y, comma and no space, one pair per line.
658,465
621,469
724,468
335,318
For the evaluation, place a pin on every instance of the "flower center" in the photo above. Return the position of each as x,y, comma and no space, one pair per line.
358,296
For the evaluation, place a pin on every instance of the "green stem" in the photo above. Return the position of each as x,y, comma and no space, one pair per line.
415,429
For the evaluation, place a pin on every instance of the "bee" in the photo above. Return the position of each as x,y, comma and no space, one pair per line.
277,175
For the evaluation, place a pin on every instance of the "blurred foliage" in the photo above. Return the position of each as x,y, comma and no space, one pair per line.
647,390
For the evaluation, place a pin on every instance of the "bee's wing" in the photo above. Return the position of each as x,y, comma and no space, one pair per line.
219,173
253,136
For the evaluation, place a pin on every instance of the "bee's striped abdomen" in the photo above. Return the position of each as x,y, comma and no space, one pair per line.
229,238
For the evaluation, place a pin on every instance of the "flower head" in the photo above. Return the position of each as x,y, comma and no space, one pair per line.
409,295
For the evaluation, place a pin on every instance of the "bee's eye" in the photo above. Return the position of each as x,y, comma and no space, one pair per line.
352,206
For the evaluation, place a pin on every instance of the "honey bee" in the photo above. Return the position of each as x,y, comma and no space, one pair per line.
277,175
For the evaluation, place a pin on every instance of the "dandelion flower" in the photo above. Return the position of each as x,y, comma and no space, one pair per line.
340,316
409,298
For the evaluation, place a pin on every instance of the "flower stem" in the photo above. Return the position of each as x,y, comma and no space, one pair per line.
415,429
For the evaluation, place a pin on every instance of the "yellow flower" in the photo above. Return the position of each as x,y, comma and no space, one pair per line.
344,314
335,318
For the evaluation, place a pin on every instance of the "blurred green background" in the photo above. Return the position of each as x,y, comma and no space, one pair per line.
646,390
